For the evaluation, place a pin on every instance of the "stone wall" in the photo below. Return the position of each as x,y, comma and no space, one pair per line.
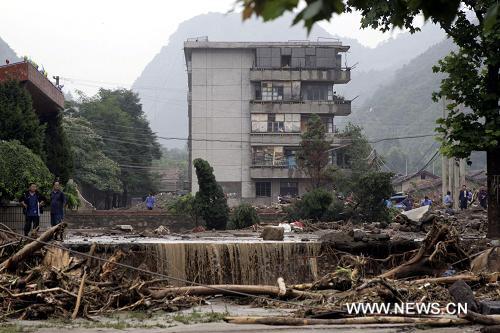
139,220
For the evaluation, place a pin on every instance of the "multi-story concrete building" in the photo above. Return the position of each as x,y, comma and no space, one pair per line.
248,103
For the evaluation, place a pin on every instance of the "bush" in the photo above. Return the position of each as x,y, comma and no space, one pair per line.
243,216
314,205
71,193
336,211
210,201
19,166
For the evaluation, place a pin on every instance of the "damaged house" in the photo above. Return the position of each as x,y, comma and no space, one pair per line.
249,102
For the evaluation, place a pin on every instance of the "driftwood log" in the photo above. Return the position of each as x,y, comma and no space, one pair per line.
32,247
482,319
290,321
439,246
82,282
231,289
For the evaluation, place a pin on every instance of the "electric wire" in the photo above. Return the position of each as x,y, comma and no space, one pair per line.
145,271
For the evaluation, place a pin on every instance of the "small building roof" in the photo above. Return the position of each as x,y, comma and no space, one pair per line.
203,43
47,98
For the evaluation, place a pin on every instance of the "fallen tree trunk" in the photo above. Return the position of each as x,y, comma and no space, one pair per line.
32,247
482,319
448,279
82,282
230,289
290,321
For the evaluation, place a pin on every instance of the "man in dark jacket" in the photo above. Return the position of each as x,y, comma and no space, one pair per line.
32,202
463,197
57,203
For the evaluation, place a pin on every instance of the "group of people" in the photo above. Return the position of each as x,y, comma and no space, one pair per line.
33,203
466,197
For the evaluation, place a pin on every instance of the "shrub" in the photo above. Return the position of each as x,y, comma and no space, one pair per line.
210,201
314,205
19,166
244,216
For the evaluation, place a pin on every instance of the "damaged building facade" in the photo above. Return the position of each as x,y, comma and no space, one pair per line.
249,102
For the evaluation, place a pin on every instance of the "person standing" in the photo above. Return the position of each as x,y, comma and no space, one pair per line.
57,203
483,198
426,202
448,201
150,201
463,197
32,201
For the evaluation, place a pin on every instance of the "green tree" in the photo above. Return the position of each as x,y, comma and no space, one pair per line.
18,120
313,154
58,156
92,167
472,80
210,200
117,116
370,191
19,166
358,150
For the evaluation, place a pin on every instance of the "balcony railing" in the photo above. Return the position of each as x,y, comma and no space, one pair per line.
337,75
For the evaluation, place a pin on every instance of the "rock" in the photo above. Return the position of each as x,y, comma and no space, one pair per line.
376,231
273,233
490,307
381,237
462,293
125,227
417,215
395,226
358,235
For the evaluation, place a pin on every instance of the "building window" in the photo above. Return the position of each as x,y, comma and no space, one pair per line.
289,189
271,91
263,189
275,123
318,91
286,60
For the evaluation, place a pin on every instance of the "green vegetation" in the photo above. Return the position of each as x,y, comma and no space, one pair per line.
210,200
92,167
71,192
370,191
243,216
58,156
314,205
19,120
185,205
199,317
18,167
112,144
312,156
471,73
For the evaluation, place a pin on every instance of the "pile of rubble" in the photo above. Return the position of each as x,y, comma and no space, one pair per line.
42,279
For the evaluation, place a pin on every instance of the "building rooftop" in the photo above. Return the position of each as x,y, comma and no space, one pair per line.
47,98
203,43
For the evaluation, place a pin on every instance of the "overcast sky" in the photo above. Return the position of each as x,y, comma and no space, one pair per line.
113,40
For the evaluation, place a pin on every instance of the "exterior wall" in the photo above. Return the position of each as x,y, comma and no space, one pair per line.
221,98
220,111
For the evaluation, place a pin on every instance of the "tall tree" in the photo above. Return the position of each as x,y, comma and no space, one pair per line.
473,78
18,120
210,200
58,156
117,116
92,167
313,154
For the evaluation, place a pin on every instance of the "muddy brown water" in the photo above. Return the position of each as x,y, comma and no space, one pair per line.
214,259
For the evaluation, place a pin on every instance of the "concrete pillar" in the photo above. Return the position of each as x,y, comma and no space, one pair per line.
444,175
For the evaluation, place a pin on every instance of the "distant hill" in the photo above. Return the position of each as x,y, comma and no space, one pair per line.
6,53
404,107
162,85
